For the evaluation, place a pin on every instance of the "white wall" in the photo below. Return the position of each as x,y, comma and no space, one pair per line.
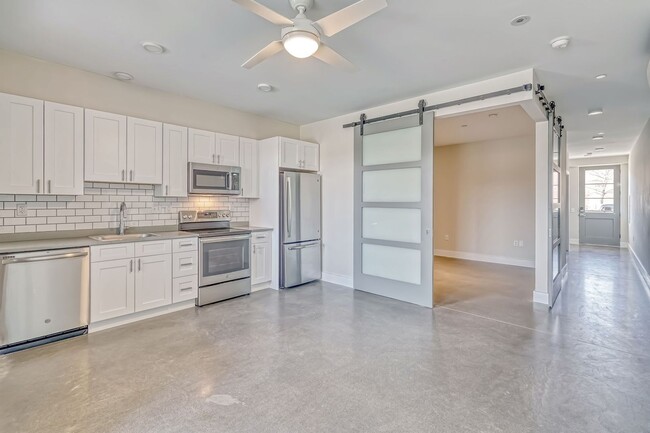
640,202
574,192
26,76
337,155
484,200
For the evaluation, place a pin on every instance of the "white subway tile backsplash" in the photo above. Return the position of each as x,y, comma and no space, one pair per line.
99,208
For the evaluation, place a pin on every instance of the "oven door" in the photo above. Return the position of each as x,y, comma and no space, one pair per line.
224,258
212,179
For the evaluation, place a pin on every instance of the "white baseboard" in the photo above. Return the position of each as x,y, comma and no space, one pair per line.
341,280
261,286
643,272
540,297
486,258
135,317
625,245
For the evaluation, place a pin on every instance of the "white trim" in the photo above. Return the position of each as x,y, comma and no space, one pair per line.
260,286
141,315
486,258
341,280
540,297
624,245
643,272
574,241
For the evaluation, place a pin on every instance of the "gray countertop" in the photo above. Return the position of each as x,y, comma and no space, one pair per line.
80,238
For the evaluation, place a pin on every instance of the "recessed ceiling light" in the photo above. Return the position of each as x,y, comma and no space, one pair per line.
561,42
520,20
588,154
124,76
601,76
493,115
264,87
153,47
595,111
599,149
598,137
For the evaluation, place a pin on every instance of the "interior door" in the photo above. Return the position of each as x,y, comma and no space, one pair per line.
600,201
393,194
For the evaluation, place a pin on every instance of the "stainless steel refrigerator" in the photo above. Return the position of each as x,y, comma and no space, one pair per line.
300,218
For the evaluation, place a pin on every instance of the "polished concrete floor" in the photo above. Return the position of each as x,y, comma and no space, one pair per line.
322,358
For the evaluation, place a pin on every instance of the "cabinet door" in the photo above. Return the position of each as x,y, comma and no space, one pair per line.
289,153
261,263
201,146
105,145
249,162
227,149
144,151
64,149
175,140
21,145
310,156
153,282
111,289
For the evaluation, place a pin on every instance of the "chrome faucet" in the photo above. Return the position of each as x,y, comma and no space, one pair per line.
122,218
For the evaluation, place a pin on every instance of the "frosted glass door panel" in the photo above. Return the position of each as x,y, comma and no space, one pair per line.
400,264
400,185
401,145
392,224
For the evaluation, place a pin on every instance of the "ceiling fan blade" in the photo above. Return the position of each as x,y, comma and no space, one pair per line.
341,20
264,12
266,52
331,57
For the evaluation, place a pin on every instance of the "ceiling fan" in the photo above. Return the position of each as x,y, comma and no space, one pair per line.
301,37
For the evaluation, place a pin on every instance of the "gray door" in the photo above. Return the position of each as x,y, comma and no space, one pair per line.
393,213
600,198
301,204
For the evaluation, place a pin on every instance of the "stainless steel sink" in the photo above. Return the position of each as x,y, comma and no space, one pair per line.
129,237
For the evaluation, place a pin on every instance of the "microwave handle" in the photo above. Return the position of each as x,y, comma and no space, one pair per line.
228,180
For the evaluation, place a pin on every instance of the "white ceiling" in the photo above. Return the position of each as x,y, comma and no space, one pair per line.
509,122
408,49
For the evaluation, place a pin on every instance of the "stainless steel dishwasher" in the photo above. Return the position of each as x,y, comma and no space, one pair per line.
44,297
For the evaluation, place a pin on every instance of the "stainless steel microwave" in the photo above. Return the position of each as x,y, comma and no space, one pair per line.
213,179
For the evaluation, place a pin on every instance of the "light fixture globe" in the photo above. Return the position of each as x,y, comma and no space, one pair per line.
300,43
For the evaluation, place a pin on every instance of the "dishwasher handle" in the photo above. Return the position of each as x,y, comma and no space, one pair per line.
13,260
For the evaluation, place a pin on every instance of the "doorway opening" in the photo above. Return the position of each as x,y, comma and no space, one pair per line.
484,211
600,206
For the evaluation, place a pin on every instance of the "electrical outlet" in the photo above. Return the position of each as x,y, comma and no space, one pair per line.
515,243
446,237
521,243
21,210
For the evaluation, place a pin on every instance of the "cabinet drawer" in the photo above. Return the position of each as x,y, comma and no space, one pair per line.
185,245
152,248
260,237
101,253
185,264
185,288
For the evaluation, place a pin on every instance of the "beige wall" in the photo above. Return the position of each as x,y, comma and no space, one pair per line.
640,200
26,76
484,200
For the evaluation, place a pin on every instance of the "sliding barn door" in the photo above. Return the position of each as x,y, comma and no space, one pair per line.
393,193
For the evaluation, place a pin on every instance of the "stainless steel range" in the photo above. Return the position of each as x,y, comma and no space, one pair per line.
224,255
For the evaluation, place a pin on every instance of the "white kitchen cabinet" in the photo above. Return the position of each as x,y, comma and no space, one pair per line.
174,167
185,288
21,145
201,146
185,264
144,151
63,149
299,155
112,289
261,258
250,167
105,146
153,282
227,149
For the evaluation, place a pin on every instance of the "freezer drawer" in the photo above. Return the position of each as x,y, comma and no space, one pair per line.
301,263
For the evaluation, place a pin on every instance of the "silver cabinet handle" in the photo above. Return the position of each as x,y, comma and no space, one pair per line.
131,175
38,185
139,265
289,207
254,248
123,175
219,159
186,245
131,266
214,158
186,288
166,189
49,186
12,260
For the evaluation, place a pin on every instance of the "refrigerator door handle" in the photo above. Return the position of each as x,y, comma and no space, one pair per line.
289,208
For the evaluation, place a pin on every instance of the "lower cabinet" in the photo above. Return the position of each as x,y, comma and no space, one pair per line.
261,258
130,278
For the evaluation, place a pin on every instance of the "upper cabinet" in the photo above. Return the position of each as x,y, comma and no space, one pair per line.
299,155
41,146
207,147
174,166
249,162
122,149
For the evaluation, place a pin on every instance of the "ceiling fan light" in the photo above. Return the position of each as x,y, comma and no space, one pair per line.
301,44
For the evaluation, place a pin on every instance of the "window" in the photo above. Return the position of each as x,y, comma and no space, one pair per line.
599,190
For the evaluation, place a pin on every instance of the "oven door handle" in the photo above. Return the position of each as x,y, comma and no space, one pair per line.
224,239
